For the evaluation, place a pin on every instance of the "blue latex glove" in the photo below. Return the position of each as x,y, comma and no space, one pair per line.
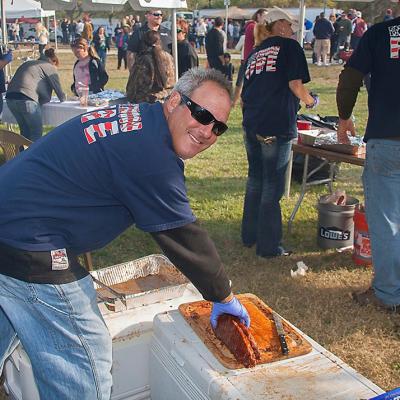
233,307
8,56
316,101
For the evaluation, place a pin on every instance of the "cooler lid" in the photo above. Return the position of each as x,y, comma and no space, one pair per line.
316,375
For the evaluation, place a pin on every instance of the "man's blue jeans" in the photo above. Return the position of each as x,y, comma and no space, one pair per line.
63,333
262,220
28,114
381,179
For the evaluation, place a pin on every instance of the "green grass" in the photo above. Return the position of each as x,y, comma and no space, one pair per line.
319,303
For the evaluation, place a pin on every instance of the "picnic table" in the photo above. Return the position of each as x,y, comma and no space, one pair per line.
53,113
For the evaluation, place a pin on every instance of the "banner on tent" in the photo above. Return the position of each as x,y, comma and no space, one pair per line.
158,3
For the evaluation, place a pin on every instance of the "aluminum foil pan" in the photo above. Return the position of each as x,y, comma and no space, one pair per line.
137,283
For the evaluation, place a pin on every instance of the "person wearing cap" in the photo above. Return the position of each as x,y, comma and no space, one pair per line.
344,28
378,54
359,28
153,22
274,80
77,189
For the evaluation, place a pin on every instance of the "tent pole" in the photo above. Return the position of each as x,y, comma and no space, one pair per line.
226,18
300,34
7,69
4,23
55,30
174,43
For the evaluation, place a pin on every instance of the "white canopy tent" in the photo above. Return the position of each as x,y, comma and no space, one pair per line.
13,9
25,8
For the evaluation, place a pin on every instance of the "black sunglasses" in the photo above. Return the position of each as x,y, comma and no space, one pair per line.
157,14
204,116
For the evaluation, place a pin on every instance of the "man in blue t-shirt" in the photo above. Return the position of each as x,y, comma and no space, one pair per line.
378,54
77,189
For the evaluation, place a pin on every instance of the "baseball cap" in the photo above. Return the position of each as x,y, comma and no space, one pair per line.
358,14
277,13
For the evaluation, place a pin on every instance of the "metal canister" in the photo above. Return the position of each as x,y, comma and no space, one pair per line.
335,223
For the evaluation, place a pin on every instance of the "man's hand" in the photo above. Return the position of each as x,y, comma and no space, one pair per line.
315,102
345,125
233,307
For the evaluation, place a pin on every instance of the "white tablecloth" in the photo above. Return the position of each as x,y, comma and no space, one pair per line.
53,113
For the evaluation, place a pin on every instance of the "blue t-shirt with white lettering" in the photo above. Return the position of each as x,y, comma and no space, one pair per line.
89,179
378,53
269,106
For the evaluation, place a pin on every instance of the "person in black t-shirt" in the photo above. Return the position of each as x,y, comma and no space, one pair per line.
215,46
154,19
378,54
273,87
187,56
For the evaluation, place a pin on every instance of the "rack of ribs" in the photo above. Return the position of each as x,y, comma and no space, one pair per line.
238,339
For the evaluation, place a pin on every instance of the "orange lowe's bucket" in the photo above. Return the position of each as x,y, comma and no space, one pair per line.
362,247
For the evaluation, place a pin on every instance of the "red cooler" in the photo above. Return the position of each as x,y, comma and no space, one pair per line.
362,246
303,125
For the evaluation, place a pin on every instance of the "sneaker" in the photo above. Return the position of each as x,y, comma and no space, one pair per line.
319,64
327,64
280,253
368,297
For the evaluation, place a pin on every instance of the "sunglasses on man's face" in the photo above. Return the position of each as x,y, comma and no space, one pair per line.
204,116
157,14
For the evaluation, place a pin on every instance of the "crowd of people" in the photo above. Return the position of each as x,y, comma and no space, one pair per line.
337,35
87,180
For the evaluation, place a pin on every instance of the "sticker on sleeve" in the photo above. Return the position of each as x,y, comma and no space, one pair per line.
59,259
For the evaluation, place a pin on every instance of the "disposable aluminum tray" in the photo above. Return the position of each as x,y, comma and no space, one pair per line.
309,139
137,283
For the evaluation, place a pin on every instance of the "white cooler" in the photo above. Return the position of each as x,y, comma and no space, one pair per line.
182,368
131,331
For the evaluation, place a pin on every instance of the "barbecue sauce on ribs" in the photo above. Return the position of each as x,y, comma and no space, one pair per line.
238,339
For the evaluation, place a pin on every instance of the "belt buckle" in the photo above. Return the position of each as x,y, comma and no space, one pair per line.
268,140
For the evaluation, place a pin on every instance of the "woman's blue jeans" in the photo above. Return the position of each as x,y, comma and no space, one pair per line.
381,179
262,220
63,333
103,56
28,114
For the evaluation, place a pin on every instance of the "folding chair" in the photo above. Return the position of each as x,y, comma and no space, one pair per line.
11,142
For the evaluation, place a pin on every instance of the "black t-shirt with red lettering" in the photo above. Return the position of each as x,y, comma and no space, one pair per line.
379,54
269,106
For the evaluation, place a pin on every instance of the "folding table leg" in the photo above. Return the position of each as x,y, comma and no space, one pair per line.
303,190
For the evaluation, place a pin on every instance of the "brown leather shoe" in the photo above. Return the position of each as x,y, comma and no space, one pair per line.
368,297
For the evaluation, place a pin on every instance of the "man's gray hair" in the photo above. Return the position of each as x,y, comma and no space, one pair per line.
195,77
